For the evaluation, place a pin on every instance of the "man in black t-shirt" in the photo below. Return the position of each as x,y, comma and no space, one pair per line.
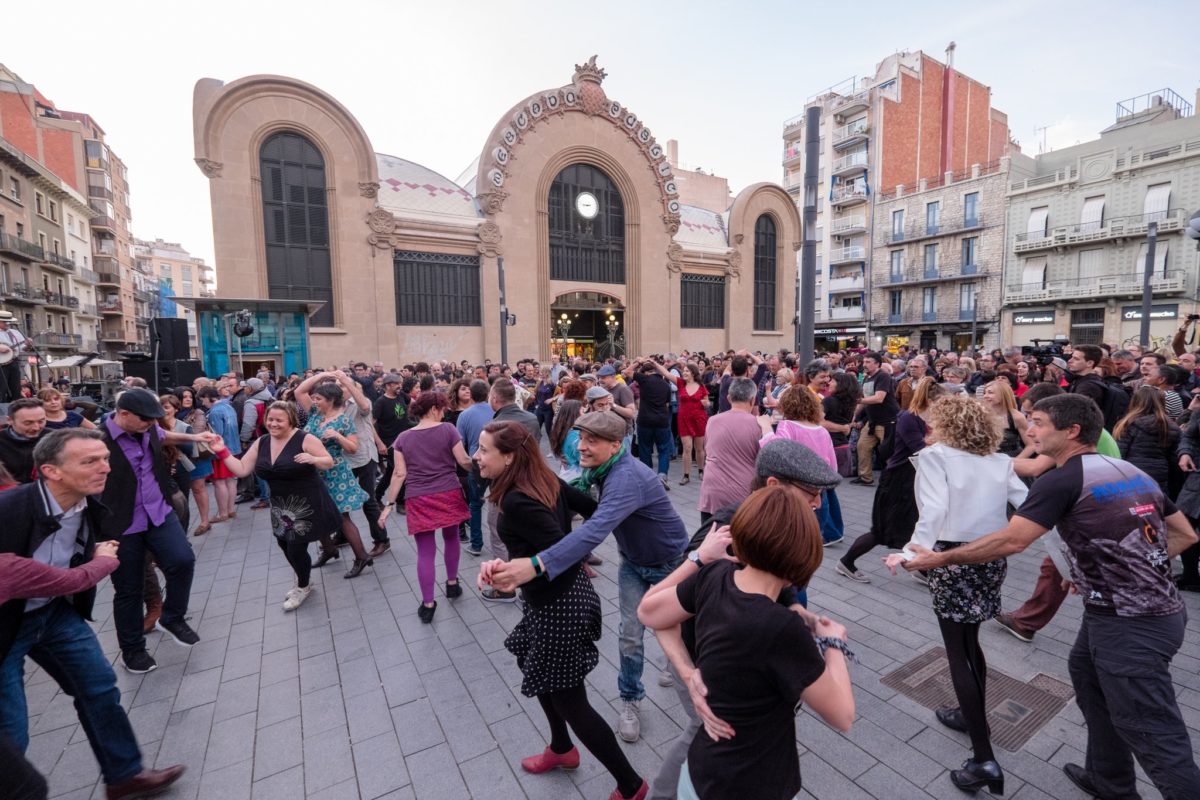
654,414
1120,533
390,411
880,409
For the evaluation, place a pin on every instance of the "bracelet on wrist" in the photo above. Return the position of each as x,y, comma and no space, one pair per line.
537,566
223,453
826,642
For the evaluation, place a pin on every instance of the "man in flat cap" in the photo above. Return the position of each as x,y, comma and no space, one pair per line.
650,537
137,496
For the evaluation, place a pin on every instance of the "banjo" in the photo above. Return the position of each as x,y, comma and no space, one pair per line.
8,351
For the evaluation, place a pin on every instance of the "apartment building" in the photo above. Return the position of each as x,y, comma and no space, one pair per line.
938,260
1079,219
914,119
179,274
45,280
71,146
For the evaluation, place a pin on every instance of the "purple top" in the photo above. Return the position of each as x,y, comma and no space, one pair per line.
149,505
24,577
429,458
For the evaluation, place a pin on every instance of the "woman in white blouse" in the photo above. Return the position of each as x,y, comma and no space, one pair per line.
963,488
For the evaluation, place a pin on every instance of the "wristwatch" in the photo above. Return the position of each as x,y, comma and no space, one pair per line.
694,557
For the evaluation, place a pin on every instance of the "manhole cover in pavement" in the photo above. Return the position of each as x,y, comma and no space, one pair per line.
1016,709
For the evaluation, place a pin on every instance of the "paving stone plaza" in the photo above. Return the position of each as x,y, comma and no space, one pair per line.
352,697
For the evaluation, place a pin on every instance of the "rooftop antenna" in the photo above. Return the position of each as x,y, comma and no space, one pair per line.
1041,130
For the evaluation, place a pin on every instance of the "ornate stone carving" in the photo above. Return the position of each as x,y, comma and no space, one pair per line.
734,267
383,226
493,201
489,240
797,245
211,169
675,257
671,221
738,237
368,189
588,71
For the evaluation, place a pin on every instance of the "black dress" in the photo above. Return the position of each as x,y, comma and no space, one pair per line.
301,507
555,641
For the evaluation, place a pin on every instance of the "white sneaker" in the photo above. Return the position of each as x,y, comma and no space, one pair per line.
295,597
853,574
629,726
666,679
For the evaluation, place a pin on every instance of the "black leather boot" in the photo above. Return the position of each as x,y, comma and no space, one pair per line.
977,774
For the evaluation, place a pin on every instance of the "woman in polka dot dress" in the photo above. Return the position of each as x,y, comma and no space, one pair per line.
555,641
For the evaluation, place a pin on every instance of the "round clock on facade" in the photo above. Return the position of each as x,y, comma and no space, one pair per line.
586,205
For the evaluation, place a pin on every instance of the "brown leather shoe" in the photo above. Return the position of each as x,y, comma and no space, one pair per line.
146,783
379,549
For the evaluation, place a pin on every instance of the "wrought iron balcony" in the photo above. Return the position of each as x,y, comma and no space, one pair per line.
58,261
1127,285
58,341
1115,228
918,231
17,293
792,154
918,273
917,315
60,300
111,305
16,246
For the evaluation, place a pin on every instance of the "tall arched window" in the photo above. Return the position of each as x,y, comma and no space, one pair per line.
764,274
296,223
587,227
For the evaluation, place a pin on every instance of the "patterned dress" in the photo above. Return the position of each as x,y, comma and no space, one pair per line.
301,507
340,480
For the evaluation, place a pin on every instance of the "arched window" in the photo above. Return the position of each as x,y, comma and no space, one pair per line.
587,227
296,223
764,274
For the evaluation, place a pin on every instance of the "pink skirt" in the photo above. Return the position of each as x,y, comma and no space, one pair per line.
429,512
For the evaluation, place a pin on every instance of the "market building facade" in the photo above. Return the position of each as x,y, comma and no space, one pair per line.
604,245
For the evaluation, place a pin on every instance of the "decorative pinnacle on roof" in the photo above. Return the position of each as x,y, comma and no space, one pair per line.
589,72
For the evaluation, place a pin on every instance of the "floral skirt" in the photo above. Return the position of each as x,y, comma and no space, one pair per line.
555,645
966,592
430,512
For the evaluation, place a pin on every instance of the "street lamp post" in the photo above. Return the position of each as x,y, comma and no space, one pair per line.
563,324
611,325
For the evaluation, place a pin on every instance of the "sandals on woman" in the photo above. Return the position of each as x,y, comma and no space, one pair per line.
202,529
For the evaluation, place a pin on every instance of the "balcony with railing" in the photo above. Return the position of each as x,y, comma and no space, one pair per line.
57,261
87,310
853,133
17,293
851,164
792,154
60,300
845,312
847,255
105,277
100,191
1114,228
1127,285
851,103
18,247
918,231
851,282
793,127
112,335
58,341
794,183
1064,175
917,273
86,275
848,226
104,222
955,315
848,194
111,305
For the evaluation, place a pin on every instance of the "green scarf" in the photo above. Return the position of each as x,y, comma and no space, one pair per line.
593,475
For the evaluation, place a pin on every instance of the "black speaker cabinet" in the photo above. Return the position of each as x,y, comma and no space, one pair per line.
167,376
171,338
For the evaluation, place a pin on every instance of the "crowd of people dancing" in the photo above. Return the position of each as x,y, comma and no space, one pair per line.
527,468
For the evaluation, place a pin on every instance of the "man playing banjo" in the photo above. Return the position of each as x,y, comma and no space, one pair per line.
12,341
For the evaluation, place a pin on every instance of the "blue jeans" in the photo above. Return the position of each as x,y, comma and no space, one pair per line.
174,557
830,517
63,644
475,504
660,439
632,583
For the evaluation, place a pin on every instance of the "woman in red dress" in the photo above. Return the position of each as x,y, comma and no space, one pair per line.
693,417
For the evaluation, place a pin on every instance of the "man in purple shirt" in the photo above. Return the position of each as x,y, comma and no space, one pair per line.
141,517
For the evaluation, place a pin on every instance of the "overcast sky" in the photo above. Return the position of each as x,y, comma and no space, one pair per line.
428,80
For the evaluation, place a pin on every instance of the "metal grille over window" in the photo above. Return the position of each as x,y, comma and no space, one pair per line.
437,289
1087,325
764,274
587,239
701,301
296,223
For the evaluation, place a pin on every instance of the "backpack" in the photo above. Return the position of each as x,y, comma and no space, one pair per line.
260,410
1116,403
